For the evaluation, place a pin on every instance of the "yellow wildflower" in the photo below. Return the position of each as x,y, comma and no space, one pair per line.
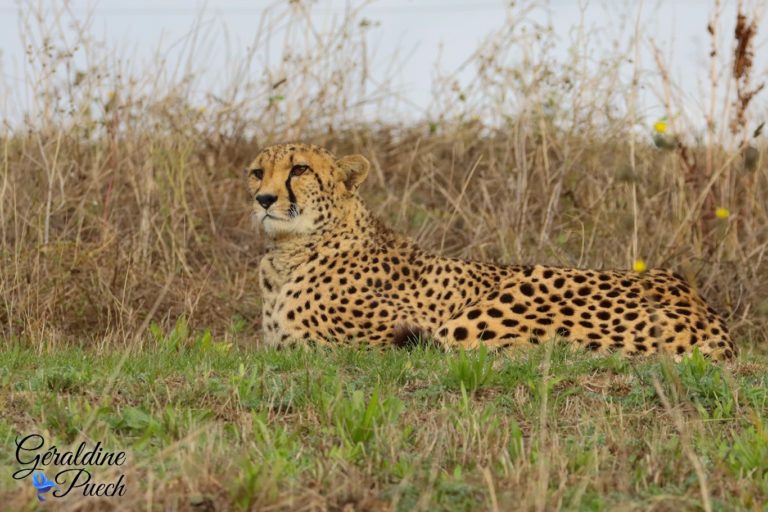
661,126
722,213
639,266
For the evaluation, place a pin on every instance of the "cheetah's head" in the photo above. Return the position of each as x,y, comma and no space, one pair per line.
298,189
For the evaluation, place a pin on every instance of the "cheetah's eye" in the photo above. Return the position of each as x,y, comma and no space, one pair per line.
298,170
257,173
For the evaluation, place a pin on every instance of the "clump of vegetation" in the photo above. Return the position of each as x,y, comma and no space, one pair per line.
471,371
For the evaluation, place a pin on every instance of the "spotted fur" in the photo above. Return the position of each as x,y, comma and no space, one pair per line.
334,274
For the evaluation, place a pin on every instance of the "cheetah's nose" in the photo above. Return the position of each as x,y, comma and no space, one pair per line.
266,200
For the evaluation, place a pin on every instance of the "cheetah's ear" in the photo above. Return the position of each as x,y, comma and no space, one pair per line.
354,169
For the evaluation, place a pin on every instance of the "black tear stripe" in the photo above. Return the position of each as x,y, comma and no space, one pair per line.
293,210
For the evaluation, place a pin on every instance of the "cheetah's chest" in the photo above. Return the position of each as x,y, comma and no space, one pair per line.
272,281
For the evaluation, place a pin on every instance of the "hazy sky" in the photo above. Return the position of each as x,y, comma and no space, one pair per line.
418,29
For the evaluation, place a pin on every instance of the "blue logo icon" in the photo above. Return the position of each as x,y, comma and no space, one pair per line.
42,484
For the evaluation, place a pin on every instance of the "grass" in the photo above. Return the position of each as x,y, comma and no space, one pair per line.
130,313
404,430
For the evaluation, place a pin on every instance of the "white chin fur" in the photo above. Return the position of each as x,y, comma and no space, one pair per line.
300,225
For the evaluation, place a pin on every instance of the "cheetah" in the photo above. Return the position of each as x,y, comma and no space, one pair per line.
333,273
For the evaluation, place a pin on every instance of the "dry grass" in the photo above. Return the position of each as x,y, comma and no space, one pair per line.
123,203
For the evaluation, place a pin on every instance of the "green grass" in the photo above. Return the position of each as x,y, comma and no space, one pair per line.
205,423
